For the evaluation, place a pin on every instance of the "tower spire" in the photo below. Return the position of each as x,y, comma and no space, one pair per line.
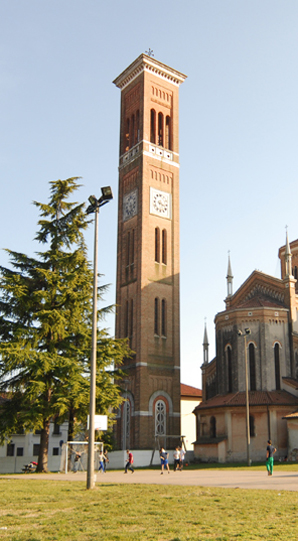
229,277
205,345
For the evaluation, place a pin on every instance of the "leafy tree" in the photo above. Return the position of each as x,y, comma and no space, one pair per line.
45,328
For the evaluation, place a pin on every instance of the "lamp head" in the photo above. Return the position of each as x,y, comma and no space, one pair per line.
247,331
107,193
92,200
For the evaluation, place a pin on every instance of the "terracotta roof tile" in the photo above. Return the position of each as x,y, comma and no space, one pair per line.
187,390
256,398
291,381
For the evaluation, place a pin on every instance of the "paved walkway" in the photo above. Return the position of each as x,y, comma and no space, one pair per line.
208,478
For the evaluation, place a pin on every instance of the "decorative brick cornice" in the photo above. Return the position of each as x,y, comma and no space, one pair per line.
149,64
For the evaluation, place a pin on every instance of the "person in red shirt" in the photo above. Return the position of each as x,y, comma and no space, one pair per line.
129,462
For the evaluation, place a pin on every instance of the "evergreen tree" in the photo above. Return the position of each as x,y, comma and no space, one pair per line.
45,328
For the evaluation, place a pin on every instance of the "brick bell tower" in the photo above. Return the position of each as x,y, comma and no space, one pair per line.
148,260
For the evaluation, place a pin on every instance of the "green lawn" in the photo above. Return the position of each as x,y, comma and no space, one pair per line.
52,510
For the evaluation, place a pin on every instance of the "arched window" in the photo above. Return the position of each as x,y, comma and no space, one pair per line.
230,370
126,424
168,133
163,317
156,316
131,323
252,426
212,427
126,319
138,126
252,367
152,125
164,246
132,137
295,272
277,367
127,133
160,418
160,129
157,245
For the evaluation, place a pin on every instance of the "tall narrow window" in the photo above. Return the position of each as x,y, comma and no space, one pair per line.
212,427
131,323
252,426
127,135
164,246
138,126
132,251
127,262
168,133
126,319
160,129
230,370
277,367
157,245
156,316
152,125
163,317
126,424
132,137
252,367
160,418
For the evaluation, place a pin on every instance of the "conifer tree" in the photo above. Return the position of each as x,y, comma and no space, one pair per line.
45,327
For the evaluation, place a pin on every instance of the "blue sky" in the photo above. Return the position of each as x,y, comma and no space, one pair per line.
59,117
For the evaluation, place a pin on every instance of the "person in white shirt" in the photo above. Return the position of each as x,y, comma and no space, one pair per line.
176,456
182,455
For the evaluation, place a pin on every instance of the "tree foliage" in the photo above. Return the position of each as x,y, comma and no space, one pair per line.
45,327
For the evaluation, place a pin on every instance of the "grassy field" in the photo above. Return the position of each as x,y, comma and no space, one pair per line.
38,510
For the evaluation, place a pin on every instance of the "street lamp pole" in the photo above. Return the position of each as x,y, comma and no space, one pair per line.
94,207
240,333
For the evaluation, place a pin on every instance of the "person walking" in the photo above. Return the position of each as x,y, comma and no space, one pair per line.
101,462
129,462
105,460
182,456
269,457
176,456
164,460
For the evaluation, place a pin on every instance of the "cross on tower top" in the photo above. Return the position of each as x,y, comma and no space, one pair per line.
150,52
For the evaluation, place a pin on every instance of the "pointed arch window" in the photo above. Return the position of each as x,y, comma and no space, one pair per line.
157,244
164,246
126,424
152,126
137,126
229,369
168,133
132,137
252,367
156,316
163,317
160,129
277,367
127,134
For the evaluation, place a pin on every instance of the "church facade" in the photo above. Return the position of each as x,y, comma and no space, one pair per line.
250,387
148,260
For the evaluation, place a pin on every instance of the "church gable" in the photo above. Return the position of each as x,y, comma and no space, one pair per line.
259,290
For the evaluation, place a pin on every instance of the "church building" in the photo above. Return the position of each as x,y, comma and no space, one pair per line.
148,260
250,389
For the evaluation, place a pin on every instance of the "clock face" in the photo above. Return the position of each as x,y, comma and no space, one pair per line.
130,205
160,203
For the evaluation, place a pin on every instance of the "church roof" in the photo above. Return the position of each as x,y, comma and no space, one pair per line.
293,415
291,382
261,301
187,390
256,398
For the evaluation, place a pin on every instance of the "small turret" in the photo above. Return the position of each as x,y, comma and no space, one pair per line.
288,257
